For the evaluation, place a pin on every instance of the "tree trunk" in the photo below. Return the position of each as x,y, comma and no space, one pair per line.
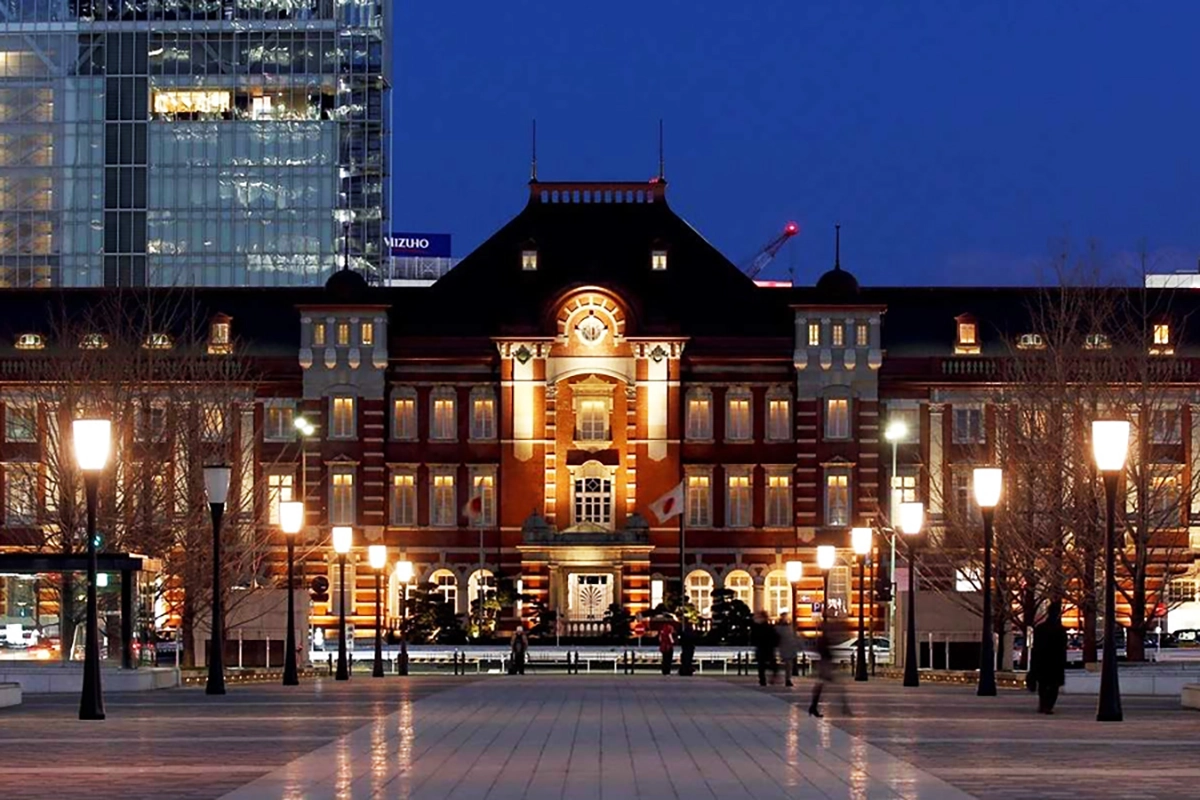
66,616
187,625
1090,612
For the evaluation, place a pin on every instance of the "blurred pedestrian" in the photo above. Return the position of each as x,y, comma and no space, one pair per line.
1048,662
826,675
764,640
520,646
666,646
687,650
785,634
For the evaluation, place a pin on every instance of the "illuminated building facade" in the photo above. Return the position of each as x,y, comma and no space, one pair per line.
168,142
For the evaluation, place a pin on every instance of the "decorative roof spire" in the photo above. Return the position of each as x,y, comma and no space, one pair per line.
662,167
533,161
837,247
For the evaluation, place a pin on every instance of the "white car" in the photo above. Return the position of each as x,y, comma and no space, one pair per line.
883,650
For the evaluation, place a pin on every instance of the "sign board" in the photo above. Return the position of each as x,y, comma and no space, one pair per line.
428,245
1160,610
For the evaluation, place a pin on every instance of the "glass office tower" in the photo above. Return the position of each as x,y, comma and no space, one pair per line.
192,142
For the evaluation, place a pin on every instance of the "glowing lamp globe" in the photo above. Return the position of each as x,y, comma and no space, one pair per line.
896,431
342,536
987,482
291,516
795,571
92,439
377,556
912,517
404,571
860,540
826,555
1110,444
216,483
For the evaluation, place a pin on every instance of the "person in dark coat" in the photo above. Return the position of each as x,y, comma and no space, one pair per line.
687,652
826,674
765,640
1048,663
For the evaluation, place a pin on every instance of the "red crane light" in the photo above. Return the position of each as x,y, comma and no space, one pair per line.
791,229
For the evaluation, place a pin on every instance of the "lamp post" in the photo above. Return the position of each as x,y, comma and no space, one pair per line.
826,555
1110,446
342,536
216,486
305,429
794,571
92,439
860,540
404,574
896,432
987,481
377,555
291,520
912,516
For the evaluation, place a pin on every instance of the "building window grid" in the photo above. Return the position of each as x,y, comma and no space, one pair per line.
837,418
837,499
779,419
483,417
483,486
20,423
341,417
699,417
741,585
968,426
861,334
699,591
779,501
699,501
318,334
593,500
279,490
738,421
739,494
20,494
341,501
404,416
279,422
592,424
442,512
444,420
778,594
366,335
403,510
838,333
814,334
1166,426
343,334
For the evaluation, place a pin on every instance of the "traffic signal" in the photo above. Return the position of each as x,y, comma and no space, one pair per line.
883,585
318,589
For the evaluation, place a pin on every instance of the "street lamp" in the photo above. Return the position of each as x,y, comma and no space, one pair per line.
291,520
404,574
912,516
342,535
1110,446
826,555
377,555
92,440
860,540
988,481
216,486
794,571
896,432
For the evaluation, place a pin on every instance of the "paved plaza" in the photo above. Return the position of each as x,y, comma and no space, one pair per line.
581,737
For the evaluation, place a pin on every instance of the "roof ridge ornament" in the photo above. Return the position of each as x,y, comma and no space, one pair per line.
837,246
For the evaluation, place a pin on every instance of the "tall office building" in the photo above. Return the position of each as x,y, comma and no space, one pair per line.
192,142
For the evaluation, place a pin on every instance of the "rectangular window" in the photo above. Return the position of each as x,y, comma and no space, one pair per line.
592,425
861,335
279,490
966,333
738,502
529,260
341,500
837,418
318,334
699,418
343,334
366,334
968,426
20,423
737,418
1181,590
404,499
218,339
593,500
20,494
699,501
658,260
341,418
483,418
212,423
1166,426
779,419
779,501
1166,497
1162,333
483,489
838,331
150,423
442,511
814,334
444,425
905,487
279,422
837,499
404,418
963,498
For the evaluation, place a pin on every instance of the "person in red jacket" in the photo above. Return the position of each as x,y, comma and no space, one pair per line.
666,646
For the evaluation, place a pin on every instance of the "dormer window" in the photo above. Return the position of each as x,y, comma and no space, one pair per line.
30,341
658,260
1031,341
1097,341
93,341
218,337
814,334
367,334
838,332
157,341
529,260
861,334
1161,343
967,336
318,334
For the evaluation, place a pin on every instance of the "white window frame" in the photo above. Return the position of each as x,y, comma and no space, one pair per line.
483,423
343,500
741,584
814,334
280,486
585,498
837,418
698,498
699,423
343,427
739,497
658,260
448,589
443,497
779,416
590,410
700,585
777,594
778,508
30,433
444,427
963,433
285,430
828,485
1166,433
483,483
24,476
740,432
402,497
400,433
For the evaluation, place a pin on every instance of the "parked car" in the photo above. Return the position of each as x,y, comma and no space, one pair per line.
883,649
1187,637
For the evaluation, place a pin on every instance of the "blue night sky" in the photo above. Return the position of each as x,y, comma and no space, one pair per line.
957,143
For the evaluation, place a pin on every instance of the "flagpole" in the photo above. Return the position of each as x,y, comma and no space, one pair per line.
682,567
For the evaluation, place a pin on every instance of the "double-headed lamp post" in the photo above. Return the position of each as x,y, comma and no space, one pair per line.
826,556
92,439
794,571
377,555
343,535
216,486
912,517
987,481
291,521
860,540
1110,446
404,575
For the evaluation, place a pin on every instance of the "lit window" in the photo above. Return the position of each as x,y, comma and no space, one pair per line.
1031,341
218,338
366,334
699,591
861,335
341,422
483,417
593,495
1166,426
404,416
656,592
20,423
738,501
444,425
20,494
212,423
837,499
483,490
192,103
699,501
157,341
963,499
592,425
742,585
967,341
1162,333
838,332
1097,341
341,500
1166,496
529,260
445,585
318,334
278,422
966,333
814,334
699,416
968,426
93,341
30,341
737,416
279,490
779,419
658,260
150,423
442,511
779,501
404,499
837,418
905,487
343,334
778,594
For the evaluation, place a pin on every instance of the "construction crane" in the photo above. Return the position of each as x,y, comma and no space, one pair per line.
767,252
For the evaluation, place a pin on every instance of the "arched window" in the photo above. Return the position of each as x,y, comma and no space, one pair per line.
742,585
593,494
446,584
699,591
778,594
482,581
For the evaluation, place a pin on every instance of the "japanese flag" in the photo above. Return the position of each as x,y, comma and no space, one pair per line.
474,507
670,504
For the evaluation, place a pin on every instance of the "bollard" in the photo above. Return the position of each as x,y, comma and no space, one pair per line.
455,662
331,663
804,664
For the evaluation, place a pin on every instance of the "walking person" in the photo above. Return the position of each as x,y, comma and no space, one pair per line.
764,640
666,646
826,675
785,634
1048,662
520,646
